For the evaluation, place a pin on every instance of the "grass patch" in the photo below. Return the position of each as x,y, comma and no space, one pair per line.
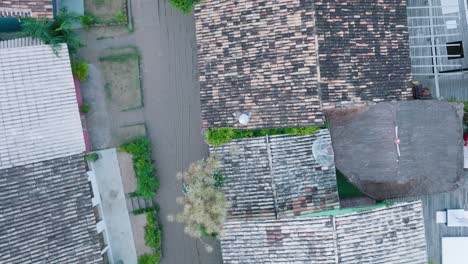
121,69
140,149
120,57
345,188
152,239
219,136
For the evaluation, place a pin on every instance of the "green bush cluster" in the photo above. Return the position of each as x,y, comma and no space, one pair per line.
53,32
205,234
87,20
223,135
152,240
120,17
146,210
140,149
80,70
219,180
149,259
185,6
84,108
92,156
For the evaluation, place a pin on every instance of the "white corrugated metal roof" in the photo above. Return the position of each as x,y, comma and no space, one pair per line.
39,116
20,42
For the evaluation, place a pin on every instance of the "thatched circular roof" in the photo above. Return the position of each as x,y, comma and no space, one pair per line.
430,143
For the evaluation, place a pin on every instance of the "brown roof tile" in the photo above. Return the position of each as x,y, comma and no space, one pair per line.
281,61
26,8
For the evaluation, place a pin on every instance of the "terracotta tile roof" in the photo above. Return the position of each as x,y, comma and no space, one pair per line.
276,177
257,57
281,61
363,50
26,8
46,214
393,234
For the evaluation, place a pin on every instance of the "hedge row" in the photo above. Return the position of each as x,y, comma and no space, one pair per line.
140,149
219,136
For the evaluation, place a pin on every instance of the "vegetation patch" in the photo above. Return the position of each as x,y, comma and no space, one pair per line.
220,136
84,108
152,240
140,149
105,12
80,70
185,6
154,209
121,69
53,32
92,156
345,188
204,203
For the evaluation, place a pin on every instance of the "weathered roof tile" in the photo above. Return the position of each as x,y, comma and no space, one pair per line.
392,234
276,176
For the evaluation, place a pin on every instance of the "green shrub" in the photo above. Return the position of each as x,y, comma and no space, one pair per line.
220,136
152,232
91,156
80,70
205,234
120,17
84,108
53,32
87,20
185,6
219,180
140,149
153,209
154,258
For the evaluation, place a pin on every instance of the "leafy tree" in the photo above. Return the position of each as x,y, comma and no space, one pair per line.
185,6
53,32
204,204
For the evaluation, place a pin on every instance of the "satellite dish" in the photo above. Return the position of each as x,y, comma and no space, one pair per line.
244,119
323,152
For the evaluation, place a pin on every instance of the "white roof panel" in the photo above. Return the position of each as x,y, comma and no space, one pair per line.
454,250
39,116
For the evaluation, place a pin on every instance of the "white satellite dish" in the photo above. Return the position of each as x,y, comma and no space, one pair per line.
244,119
323,152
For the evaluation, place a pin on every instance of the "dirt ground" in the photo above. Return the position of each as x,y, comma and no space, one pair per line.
104,10
166,39
121,70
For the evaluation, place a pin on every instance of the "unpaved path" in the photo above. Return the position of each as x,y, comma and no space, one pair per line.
166,40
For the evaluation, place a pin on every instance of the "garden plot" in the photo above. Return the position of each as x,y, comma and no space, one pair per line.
107,12
121,68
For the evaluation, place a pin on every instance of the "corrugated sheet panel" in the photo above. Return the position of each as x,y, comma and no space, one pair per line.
38,106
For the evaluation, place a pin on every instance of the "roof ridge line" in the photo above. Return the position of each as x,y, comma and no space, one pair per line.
335,239
273,186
